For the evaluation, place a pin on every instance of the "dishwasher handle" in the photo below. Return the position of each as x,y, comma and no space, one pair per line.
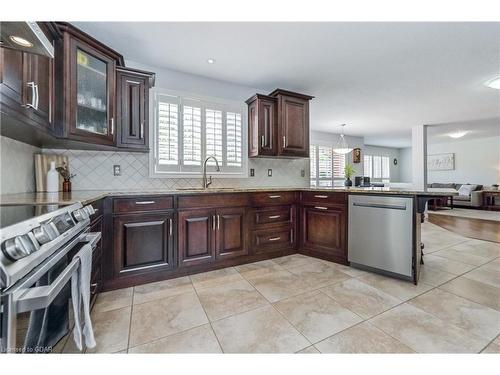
380,205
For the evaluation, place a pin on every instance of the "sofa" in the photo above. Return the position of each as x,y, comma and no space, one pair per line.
474,199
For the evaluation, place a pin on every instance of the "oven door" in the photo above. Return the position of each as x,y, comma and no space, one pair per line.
35,311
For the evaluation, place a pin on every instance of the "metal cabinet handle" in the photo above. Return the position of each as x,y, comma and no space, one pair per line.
170,227
262,141
274,196
218,221
274,216
112,126
213,222
284,142
141,136
320,208
145,202
321,196
274,238
34,96
291,235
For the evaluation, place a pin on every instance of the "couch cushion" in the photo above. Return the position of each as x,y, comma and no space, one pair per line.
461,198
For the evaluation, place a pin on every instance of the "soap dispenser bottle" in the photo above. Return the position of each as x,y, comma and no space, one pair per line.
52,178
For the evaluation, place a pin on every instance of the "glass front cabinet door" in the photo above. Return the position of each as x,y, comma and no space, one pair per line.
92,112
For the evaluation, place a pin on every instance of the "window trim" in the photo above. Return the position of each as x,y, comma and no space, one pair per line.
192,171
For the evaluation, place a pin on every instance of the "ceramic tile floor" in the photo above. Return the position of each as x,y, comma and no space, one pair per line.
299,304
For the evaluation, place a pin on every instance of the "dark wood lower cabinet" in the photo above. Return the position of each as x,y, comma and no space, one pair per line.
196,233
231,233
143,243
324,231
196,237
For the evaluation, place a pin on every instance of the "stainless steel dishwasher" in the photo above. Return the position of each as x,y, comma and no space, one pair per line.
380,234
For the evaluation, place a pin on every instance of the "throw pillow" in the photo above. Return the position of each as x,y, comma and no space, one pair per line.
465,190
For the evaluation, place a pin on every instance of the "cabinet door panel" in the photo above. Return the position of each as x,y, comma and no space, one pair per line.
142,243
40,71
92,94
12,74
231,228
196,237
323,229
294,126
267,127
131,110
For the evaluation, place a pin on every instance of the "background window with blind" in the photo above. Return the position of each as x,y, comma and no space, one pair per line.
188,129
327,167
377,167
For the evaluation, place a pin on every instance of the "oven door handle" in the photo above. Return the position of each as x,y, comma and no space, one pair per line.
42,296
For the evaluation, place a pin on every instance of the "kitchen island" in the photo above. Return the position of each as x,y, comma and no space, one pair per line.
155,235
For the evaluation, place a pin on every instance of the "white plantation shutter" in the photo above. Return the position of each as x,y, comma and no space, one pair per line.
168,133
367,161
313,161
385,167
188,128
213,134
338,165
377,167
325,160
233,139
191,135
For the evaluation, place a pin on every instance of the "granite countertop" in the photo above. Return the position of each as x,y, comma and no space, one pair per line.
88,196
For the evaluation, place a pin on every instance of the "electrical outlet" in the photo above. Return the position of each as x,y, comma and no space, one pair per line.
302,173
269,173
117,170
252,172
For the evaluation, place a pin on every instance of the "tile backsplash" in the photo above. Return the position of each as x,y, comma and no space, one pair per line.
94,171
17,172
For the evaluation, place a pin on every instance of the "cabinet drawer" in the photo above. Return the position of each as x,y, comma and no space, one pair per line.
270,240
142,204
265,199
275,215
213,200
323,197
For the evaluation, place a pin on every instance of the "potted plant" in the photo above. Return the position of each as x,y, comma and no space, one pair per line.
349,171
64,172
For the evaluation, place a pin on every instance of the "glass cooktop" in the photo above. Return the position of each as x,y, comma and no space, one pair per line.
14,214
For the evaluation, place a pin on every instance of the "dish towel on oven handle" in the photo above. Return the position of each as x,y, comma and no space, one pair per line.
80,295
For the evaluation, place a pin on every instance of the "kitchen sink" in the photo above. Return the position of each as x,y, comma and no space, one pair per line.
208,189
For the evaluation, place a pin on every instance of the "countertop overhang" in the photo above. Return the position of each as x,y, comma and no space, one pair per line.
88,196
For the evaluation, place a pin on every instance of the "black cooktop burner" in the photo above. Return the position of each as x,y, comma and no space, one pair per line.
10,215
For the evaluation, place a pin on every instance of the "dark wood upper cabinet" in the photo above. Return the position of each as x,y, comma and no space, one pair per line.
231,233
132,90
143,243
262,126
85,79
26,93
278,124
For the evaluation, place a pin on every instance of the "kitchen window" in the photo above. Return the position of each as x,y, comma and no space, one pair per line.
187,129
377,167
327,167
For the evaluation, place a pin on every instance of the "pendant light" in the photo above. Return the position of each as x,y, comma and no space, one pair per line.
342,147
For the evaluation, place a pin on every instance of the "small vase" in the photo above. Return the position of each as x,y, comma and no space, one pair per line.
66,186
347,182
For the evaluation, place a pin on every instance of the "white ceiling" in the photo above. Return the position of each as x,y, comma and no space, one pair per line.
378,78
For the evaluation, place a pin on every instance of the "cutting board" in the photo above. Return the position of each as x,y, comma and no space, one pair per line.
42,166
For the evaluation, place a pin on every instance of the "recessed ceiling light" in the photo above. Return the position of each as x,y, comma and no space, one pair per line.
210,61
458,134
21,41
493,83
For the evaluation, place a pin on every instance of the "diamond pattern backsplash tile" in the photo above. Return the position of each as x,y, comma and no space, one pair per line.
94,171
17,171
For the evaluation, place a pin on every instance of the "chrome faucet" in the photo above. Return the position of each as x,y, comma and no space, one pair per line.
207,183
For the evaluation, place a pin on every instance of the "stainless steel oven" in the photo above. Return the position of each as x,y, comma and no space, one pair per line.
36,265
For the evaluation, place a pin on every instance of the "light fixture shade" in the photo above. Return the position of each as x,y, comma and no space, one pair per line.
342,147
494,83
